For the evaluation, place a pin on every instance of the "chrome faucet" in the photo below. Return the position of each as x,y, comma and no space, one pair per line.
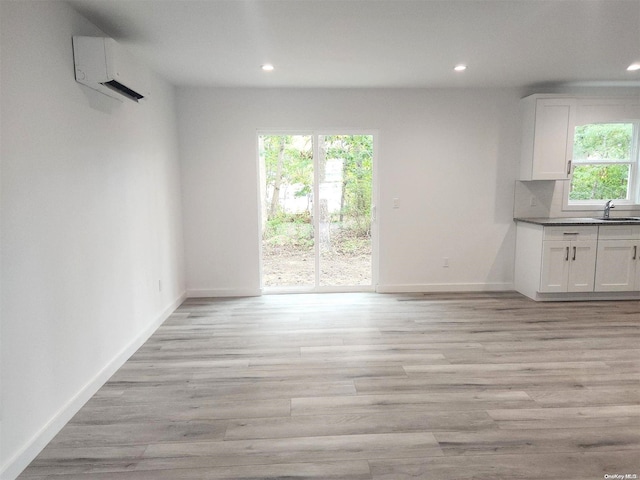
607,208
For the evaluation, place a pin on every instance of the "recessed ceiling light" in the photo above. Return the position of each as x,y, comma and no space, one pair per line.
460,68
633,67
267,67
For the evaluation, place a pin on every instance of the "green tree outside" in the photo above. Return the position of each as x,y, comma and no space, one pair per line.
288,161
356,153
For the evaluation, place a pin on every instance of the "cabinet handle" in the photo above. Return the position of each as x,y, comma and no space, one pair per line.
566,258
635,251
569,167
574,254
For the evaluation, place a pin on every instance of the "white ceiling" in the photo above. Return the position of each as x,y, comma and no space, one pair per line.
378,43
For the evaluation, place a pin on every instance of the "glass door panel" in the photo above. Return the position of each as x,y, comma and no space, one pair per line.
288,243
345,175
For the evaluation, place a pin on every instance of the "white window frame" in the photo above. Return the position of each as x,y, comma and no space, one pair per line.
633,191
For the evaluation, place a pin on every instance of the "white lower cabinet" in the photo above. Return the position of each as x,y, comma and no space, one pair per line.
600,262
618,265
568,266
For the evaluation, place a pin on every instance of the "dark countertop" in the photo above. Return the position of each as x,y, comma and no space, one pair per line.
572,221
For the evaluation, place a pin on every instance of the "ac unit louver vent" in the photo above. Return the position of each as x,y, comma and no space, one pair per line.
124,90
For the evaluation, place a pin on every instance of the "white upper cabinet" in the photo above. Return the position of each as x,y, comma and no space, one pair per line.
547,138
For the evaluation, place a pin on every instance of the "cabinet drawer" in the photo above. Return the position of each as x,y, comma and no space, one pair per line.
619,232
571,233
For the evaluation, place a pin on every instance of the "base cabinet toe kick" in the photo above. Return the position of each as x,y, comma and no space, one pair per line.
577,262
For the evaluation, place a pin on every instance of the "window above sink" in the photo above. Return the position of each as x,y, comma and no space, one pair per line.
605,158
605,163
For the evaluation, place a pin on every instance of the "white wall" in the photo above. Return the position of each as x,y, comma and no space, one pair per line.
450,156
91,222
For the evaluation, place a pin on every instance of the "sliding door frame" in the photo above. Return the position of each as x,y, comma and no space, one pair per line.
317,288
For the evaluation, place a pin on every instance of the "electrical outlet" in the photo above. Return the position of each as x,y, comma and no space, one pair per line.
445,262
396,203
533,201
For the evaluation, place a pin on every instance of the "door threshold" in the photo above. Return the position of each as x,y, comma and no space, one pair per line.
333,289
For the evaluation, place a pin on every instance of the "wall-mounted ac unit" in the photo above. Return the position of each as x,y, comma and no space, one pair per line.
105,66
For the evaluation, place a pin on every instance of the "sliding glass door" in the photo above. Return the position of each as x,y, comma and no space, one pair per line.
316,211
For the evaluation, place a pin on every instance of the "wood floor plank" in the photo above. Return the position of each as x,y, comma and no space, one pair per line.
316,373
367,386
566,466
579,354
81,460
118,434
416,402
162,411
497,442
571,417
353,424
350,470
398,359
502,368
589,396
533,381
228,390
300,449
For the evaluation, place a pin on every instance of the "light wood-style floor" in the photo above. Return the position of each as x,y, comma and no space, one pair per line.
367,386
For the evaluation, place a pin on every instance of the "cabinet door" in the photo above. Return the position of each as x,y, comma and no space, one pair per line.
553,139
555,267
637,262
616,266
582,266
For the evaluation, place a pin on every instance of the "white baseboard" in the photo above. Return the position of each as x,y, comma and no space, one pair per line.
583,296
224,292
445,287
33,447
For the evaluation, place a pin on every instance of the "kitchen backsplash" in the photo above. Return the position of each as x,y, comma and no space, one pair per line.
543,198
